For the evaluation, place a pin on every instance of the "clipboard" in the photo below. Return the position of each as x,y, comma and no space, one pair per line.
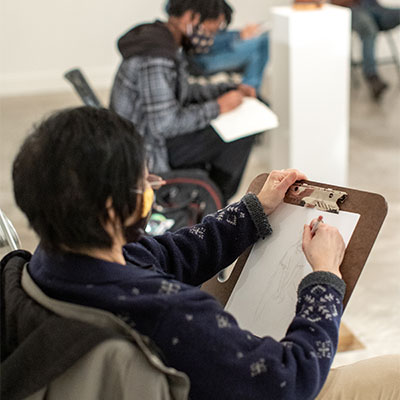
372,208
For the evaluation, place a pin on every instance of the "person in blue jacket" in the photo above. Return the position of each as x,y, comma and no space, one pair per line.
245,51
81,180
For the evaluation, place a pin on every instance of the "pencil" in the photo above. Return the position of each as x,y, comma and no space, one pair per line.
315,226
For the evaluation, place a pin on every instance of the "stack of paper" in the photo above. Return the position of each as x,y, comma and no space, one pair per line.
251,117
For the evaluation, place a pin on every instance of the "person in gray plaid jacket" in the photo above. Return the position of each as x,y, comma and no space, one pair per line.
151,89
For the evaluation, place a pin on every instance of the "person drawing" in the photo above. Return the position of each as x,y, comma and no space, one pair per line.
90,214
245,51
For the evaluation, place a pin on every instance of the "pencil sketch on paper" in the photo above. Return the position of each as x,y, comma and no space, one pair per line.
290,272
265,296
286,277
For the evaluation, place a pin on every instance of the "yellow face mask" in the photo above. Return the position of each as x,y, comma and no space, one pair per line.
147,202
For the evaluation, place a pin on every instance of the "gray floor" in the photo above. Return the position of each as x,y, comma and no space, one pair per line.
372,313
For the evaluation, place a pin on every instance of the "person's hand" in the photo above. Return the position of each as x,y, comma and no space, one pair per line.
324,249
229,101
275,187
155,181
250,31
247,90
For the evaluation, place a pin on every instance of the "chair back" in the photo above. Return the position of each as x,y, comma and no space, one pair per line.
9,239
82,87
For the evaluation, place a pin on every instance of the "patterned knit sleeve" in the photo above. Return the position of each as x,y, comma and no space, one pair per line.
224,361
195,254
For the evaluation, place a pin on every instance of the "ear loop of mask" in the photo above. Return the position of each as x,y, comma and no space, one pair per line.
189,29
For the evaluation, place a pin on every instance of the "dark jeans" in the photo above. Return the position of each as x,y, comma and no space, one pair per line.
225,162
367,20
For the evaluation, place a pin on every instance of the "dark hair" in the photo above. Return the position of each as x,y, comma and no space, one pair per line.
228,11
208,9
67,169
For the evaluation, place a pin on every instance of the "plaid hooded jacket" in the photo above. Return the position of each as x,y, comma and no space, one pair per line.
151,89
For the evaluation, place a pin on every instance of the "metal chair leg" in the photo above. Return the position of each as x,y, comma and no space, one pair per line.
394,50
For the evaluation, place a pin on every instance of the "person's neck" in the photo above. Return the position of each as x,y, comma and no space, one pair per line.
114,254
174,27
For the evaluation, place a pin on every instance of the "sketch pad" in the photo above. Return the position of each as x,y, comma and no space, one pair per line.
251,117
274,269
245,293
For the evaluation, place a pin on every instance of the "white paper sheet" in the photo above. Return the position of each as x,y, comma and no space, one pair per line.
251,117
264,298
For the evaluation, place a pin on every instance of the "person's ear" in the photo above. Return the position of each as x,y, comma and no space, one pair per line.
186,17
195,18
190,17
110,209
110,221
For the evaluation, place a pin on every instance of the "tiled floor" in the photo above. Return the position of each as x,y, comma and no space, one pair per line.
372,313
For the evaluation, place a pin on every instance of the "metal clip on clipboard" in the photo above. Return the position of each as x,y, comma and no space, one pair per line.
323,199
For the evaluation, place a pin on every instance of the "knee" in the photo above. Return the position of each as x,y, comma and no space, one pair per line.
248,141
365,26
263,44
241,148
373,378
264,40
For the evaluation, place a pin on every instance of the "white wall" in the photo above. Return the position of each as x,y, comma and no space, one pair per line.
41,39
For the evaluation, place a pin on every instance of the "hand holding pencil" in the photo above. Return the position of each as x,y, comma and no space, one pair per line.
323,246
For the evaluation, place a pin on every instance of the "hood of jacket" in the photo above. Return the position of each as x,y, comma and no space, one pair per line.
152,40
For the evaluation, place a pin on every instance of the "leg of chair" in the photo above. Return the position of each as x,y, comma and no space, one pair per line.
354,66
355,78
394,50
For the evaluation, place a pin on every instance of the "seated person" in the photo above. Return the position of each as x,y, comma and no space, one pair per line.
151,90
244,51
368,18
89,216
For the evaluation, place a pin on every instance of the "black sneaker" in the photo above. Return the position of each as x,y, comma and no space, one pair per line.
377,86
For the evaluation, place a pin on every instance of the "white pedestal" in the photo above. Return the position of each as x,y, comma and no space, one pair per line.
310,56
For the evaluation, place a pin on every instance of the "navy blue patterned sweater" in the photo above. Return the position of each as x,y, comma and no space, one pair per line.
157,293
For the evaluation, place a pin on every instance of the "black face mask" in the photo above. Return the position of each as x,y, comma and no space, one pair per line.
200,40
